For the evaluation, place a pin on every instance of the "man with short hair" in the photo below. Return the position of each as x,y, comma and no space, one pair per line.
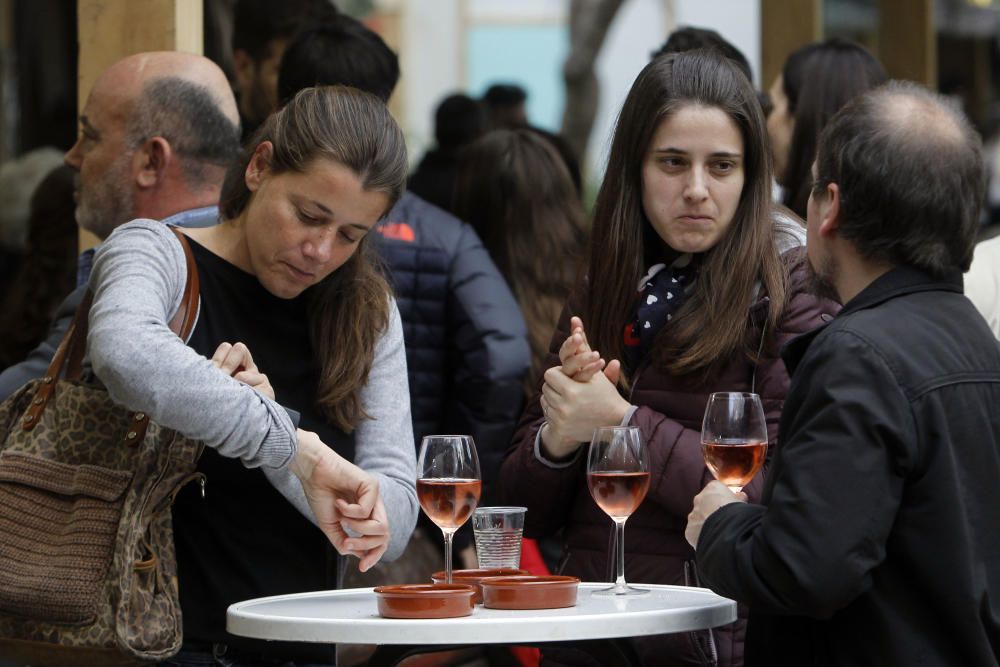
157,133
505,105
262,29
878,540
689,38
458,121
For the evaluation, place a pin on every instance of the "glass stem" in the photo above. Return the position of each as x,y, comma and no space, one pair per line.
448,534
620,586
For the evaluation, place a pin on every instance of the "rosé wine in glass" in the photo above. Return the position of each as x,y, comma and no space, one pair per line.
448,484
618,479
734,437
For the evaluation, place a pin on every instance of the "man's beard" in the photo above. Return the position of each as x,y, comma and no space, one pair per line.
821,280
108,203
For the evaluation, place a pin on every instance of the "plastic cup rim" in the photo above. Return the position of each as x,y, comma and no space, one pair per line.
500,509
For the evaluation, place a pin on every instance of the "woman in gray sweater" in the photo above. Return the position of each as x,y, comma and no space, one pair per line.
294,320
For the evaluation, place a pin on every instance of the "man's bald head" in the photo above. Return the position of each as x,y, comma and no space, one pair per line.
157,133
909,169
131,74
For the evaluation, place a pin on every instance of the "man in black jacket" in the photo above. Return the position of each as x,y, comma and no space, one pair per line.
880,540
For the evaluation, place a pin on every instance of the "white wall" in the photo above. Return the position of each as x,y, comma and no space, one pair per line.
432,51
641,27
431,54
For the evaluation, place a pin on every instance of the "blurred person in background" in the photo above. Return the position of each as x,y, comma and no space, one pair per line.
18,180
565,151
816,81
690,38
46,273
694,282
505,105
458,121
516,191
262,30
157,133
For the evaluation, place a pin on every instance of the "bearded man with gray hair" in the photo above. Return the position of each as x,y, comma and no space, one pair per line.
157,133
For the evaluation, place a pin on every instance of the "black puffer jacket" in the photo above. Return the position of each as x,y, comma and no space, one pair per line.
466,342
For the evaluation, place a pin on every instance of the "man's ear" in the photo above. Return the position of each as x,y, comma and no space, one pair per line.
150,162
259,165
830,216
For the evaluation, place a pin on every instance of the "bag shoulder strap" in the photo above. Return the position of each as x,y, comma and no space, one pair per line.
70,353
182,323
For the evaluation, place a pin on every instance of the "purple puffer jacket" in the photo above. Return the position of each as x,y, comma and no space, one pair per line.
669,415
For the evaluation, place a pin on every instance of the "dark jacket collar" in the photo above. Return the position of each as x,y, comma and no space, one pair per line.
898,282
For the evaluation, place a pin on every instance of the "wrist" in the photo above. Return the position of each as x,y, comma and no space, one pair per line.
620,411
307,455
554,445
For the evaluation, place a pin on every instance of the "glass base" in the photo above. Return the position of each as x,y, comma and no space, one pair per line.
623,590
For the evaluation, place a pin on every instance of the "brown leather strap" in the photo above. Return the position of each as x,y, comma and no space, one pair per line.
183,320
78,341
69,355
48,384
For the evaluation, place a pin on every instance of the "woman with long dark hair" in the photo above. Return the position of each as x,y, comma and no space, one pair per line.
693,284
288,286
816,81
517,192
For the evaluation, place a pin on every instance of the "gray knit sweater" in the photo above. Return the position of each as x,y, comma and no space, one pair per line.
138,280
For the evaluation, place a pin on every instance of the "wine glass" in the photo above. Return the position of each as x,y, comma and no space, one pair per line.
618,477
734,437
448,484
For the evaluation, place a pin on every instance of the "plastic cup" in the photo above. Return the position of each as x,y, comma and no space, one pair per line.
497,532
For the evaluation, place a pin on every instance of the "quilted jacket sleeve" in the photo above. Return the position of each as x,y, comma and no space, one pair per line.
546,489
488,353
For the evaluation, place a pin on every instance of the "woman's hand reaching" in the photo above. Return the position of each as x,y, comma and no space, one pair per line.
236,361
342,497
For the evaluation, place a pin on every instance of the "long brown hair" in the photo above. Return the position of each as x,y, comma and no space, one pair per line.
712,324
517,192
349,309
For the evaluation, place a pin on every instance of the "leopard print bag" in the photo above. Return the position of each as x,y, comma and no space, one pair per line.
87,566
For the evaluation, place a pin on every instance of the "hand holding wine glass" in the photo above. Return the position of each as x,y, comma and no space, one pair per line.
618,477
448,484
734,437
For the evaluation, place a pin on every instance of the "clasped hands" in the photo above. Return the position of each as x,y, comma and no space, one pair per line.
577,397
342,496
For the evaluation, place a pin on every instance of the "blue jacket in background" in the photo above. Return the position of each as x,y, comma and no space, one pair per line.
466,341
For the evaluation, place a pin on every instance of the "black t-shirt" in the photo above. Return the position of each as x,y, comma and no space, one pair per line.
243,539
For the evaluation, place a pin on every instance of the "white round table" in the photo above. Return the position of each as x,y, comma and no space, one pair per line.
351,616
